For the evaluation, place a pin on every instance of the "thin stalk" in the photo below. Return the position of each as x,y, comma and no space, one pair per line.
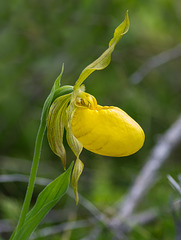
37,152
33,173
38,144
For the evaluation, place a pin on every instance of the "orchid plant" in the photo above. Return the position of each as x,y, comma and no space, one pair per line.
104,130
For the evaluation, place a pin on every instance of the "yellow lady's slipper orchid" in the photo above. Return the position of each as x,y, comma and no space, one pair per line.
103,130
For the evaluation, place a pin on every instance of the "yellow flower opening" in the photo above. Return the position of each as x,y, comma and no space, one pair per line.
105,130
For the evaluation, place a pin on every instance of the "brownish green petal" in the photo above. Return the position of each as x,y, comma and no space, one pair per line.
55,126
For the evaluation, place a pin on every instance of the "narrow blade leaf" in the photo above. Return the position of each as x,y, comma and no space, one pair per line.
45,202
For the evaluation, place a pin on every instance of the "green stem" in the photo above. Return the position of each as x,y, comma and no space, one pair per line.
38,144
34,168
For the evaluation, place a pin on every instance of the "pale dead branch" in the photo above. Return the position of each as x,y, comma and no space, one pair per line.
5,226
155,62
174,184
52,230
159,154
94,234
45,181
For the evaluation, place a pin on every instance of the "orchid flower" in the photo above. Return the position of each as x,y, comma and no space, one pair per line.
102,130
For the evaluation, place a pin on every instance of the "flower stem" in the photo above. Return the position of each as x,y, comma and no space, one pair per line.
38,144
33,172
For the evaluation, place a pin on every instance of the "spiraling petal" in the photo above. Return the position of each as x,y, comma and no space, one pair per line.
55,126
104,60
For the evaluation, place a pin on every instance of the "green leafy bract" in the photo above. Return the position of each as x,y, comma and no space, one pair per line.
50,98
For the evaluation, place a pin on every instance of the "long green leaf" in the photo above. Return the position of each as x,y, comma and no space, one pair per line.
45,202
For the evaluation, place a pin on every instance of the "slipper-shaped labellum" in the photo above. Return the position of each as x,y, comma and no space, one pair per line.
105,130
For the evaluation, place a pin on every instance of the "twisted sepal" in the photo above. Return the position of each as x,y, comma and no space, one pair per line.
77,171
75,145
104,60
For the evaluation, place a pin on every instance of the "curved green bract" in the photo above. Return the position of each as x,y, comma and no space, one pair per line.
62,91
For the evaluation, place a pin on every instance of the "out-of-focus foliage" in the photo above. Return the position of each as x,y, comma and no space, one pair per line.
36,37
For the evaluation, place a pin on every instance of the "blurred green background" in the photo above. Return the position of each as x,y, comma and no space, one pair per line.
36,37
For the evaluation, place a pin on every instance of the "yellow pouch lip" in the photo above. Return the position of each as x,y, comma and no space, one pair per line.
121,135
